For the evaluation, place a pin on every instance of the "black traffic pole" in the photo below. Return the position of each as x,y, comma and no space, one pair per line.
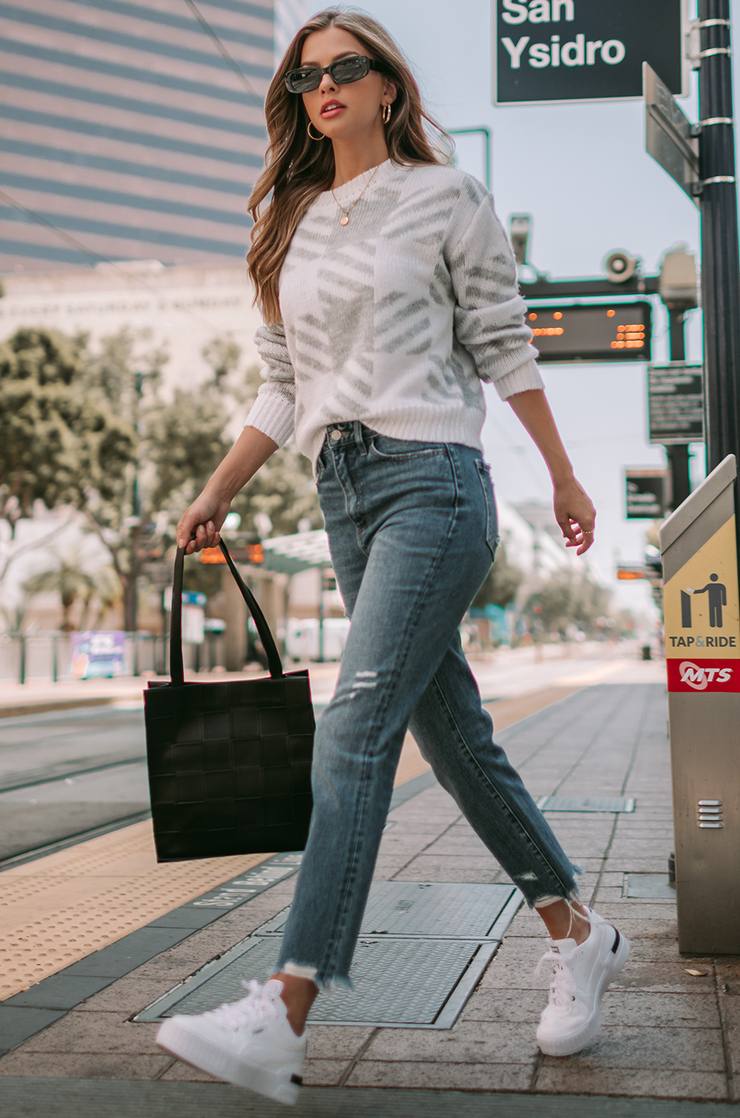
678,454
720,272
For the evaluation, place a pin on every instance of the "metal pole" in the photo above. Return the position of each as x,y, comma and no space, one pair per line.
720,273
165,634
678,455
321,616
486,133
136,511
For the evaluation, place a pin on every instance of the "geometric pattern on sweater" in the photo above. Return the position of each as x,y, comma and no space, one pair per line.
396,318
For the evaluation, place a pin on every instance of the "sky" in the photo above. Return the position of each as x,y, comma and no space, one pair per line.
582,172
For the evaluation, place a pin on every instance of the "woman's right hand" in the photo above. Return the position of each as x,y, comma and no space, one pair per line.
206,515
203,520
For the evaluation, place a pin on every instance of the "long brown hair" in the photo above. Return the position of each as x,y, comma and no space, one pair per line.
299,169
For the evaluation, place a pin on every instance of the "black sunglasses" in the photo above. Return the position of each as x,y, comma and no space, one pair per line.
307,78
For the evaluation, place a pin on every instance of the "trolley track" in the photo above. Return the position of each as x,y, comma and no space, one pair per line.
33,778
66,775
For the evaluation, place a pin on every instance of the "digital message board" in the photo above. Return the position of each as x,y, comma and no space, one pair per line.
593,332
586,50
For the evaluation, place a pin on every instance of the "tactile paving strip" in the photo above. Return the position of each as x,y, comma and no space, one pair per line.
426,977
59,909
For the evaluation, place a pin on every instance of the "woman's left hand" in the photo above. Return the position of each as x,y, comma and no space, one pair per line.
575,514
573,509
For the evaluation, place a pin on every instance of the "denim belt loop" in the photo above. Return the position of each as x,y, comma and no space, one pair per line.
361,436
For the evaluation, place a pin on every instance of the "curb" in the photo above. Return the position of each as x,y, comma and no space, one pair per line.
44,707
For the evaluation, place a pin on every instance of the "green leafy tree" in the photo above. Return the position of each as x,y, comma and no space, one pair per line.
284,488
58,439
566,598
501,583
179,440
69,581
74,582
100,433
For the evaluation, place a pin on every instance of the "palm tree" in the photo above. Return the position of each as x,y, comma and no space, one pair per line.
73,583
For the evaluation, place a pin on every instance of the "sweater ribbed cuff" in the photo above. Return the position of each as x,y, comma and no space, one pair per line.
274,417
522,379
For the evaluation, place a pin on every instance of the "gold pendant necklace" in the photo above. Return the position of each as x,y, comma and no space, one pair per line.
344,220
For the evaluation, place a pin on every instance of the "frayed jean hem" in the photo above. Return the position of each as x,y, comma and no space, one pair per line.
545,899
325,985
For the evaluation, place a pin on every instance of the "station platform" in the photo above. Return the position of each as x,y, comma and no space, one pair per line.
99,943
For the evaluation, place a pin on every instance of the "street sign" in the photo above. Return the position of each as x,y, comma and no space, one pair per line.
668,134
591,332
586,50
675,404
645,494
189,598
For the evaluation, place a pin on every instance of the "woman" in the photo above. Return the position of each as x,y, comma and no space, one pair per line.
389,293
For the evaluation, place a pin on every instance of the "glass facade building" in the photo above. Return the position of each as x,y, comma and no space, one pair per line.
125,134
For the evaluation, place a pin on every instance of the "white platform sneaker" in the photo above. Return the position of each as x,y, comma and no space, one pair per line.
249,1043
581,974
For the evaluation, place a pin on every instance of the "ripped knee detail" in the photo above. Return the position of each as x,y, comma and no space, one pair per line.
362,681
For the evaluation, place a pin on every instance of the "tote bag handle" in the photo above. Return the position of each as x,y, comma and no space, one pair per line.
176,666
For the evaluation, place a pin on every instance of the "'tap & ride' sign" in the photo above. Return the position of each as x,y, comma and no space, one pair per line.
586,50
702,618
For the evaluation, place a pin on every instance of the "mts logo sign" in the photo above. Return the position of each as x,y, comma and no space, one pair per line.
702,617
585,50
703,675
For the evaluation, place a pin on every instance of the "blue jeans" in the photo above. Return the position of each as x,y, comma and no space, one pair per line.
412,529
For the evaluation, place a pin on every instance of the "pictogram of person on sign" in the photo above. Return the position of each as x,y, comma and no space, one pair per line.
717,596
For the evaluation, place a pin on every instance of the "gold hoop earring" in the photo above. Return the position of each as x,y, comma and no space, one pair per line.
386,114
320,136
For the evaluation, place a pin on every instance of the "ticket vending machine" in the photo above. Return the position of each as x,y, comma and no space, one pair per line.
698,543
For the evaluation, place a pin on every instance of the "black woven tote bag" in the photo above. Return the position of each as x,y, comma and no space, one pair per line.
229,763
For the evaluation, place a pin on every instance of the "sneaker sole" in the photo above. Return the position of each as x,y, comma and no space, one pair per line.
201,1054
569,1046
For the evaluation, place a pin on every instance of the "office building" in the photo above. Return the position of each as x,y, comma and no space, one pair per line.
125,134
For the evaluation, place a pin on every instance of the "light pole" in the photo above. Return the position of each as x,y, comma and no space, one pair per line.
720,273
486,133
135,521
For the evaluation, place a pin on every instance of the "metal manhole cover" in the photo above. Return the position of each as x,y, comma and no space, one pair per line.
411,982
424,908
585,803
429,944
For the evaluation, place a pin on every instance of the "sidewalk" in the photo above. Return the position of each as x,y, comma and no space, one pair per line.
670,1045
500,674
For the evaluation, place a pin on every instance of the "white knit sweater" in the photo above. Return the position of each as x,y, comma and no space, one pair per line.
397,317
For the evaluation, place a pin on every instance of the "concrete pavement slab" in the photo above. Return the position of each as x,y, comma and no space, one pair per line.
656,1083
66,1098
638,1008
80,1066
499,1043
627,1046
442,1076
